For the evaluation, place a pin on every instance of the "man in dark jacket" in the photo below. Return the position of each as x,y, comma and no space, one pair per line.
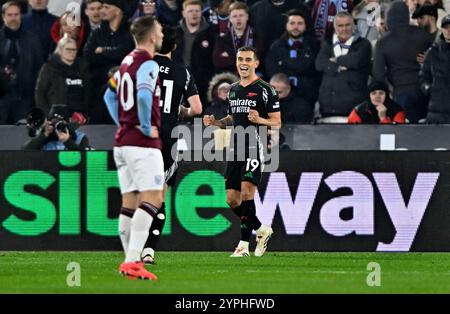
92,16
195,43
396,58
294,54
435,77
345,65
268,18
294,109
39,21
20,60
106,48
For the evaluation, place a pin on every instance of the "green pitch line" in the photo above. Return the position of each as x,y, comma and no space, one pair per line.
206,272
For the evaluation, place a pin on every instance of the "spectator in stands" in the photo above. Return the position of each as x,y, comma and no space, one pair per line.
324,13
268,19
169,11
21,58
441,13
217,14
240,34
217,94
426,16
63,26
146,7
435,77
93,18
400,65
378,108
40,22
365,15
64,79
57,133
412,6
294,54
23,7
294,109
345,65
195,44
106,48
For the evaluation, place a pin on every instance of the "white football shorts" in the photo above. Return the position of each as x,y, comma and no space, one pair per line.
139,168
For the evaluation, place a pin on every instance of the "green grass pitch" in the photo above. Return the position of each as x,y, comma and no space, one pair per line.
207,272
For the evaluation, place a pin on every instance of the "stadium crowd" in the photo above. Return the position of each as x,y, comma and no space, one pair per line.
327,59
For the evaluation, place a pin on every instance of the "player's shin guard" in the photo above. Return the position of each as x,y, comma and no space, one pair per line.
249,211
140,225
124,226
156,228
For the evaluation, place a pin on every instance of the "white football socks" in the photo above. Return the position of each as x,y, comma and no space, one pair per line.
140,225
124,231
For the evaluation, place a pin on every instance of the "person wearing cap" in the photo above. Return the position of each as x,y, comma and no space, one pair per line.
379,108
426,16
441,11
434,77
106,48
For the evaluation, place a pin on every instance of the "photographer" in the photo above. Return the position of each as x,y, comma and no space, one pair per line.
54,133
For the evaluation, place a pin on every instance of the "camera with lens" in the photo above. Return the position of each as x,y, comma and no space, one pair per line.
35,121
61,126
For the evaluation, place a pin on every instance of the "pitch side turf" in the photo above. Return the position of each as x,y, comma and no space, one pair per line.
206,272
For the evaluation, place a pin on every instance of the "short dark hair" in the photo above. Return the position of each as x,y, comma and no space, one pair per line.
249,48
87,2
142,26
296,12
169,40
9,4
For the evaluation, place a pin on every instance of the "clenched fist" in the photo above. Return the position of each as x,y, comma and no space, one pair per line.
209,120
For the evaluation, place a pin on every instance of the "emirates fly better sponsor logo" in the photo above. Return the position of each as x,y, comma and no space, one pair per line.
242,105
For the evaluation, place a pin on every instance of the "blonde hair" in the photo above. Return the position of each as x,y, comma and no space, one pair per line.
63,42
